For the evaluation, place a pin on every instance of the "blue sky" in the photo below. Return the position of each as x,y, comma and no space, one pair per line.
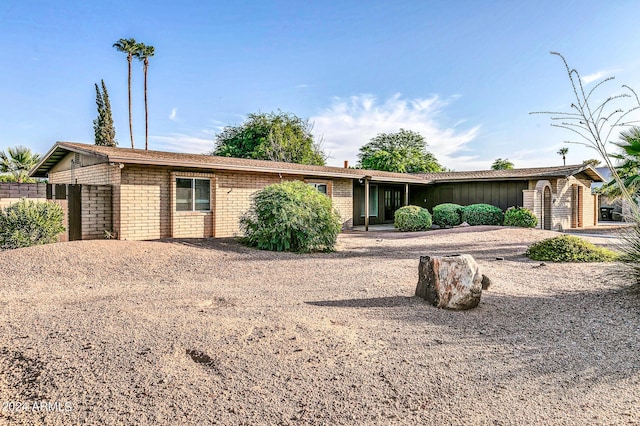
465,74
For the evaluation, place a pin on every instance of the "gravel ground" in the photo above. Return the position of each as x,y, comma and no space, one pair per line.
211,332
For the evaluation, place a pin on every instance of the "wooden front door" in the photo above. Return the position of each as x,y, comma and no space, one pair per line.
392,202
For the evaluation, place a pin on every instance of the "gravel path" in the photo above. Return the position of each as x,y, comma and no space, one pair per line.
210,332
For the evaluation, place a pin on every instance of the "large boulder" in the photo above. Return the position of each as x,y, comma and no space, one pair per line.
451,282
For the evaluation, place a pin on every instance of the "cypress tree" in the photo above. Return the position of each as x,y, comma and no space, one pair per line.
103,128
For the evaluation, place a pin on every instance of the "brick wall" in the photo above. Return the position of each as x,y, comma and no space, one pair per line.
233,196
234,192
590,204
565,202
12,192
99,174
143,201
343,201
531,199
96,211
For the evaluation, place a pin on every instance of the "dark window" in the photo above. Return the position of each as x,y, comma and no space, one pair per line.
373,201
193,194
322,187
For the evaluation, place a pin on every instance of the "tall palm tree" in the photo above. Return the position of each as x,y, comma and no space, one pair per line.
18,161
130,47
143,54
563,152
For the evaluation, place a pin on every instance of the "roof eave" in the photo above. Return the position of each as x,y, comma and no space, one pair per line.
34,172
259,169
231,167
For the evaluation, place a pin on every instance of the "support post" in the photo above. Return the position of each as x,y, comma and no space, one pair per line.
406,194
366,203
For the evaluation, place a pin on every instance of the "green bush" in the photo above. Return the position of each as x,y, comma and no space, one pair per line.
291,216
447,214
29,223
520,216
4,178
482,214
568,248
412,218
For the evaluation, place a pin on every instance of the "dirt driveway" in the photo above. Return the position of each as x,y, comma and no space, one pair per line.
210,332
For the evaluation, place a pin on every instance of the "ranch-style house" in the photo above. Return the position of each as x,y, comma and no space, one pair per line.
138,195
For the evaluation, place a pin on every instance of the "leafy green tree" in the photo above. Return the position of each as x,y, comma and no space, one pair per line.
130,47
103,128
402,152
277,136
17,162
501,164
563,153
143,54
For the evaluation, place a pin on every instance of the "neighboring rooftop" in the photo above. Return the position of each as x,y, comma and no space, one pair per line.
517,174
203,161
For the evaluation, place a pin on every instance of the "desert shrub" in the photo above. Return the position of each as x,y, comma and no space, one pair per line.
412,218
482,214
29,223
447,214
568,248
520,216
291,216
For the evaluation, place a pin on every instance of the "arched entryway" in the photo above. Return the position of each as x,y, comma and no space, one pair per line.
542,208
546,208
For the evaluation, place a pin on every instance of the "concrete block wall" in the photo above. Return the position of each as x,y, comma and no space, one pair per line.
343,201
234,192
96,211
146,197
590,204
233,197
145,203
563,203
98,174
532,200
143,200
12,192
562,207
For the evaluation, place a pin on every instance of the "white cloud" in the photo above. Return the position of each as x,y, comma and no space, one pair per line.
197,142
350,123
172,116
180,142
589,78
301,86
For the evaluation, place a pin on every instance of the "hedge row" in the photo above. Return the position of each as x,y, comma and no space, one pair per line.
449,214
